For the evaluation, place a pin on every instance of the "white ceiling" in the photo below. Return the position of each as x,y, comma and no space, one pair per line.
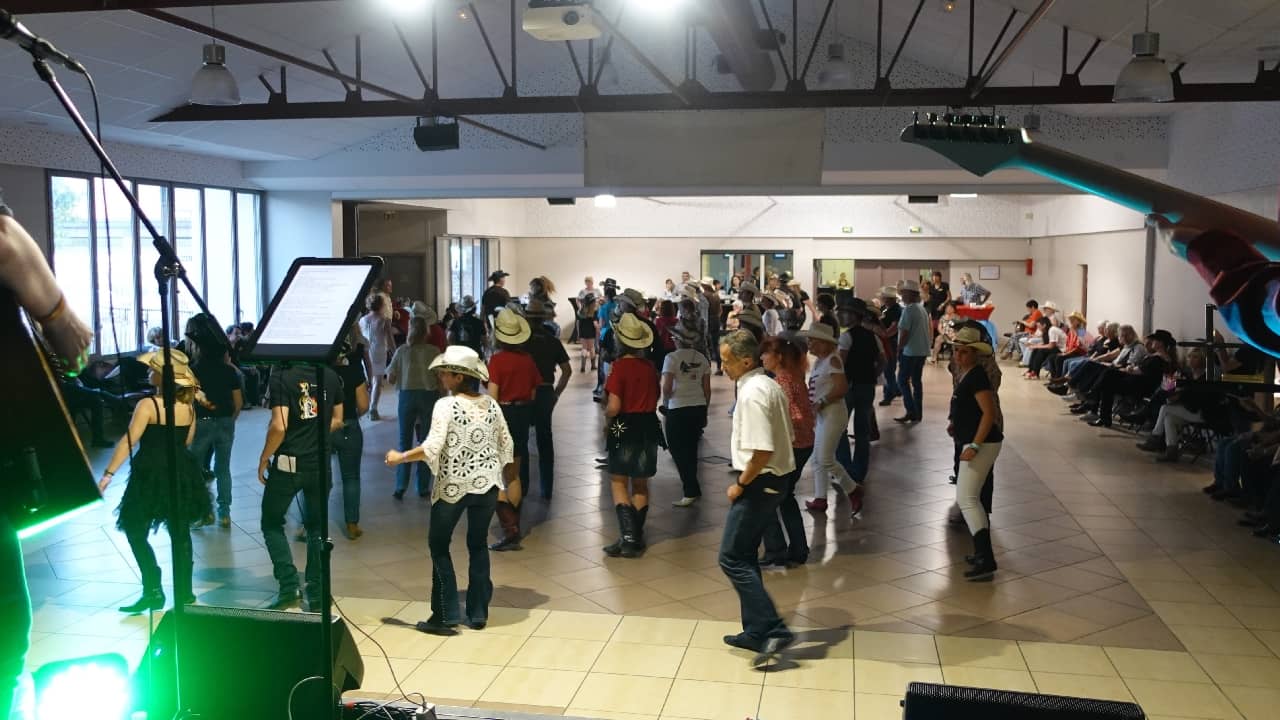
143,67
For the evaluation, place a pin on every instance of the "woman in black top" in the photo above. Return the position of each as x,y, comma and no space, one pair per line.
975,427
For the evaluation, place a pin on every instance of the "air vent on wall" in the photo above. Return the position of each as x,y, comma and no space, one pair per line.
922,199
562,201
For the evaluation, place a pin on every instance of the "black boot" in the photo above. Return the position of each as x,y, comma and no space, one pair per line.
152,595
984,560
641,515
626,545
509,521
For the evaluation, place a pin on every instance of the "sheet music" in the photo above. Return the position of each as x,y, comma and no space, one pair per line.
314,308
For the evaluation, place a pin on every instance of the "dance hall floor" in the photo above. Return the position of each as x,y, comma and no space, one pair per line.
1118,579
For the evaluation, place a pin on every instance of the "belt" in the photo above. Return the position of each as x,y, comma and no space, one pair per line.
516,404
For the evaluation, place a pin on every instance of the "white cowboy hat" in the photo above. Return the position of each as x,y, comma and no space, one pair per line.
1049,305
633,333
510,328
819,331
462,360
889,291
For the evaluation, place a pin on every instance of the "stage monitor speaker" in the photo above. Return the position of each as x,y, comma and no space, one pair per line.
435,136
927,701
241,664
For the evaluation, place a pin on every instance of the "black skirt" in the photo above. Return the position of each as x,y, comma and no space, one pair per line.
632,440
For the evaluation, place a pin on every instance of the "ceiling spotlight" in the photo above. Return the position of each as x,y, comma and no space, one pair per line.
964,196
657,7
463,14
213,83
1145,78
606,201
405,7
948,5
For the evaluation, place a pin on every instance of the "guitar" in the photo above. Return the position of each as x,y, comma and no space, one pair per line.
1232,249
42,460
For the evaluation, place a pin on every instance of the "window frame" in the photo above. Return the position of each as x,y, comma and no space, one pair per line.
143,275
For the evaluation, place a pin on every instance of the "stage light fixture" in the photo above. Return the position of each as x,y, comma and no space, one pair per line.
606,201
95,686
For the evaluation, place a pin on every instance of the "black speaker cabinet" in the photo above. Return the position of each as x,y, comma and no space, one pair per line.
241,664
927,701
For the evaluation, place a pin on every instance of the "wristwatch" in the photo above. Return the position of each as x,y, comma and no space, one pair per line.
738,482
973,446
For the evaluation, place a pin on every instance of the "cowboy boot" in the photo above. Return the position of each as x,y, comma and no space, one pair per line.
509,521
152,594
641,515
984,560
626,545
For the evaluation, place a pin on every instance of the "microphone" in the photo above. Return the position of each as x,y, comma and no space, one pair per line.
40,49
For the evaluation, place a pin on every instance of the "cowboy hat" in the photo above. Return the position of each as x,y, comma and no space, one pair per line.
1078,316
498,275
462,360
971,338
539,309
686,335
510,328
749,287
819,331
794,282
853,304
467,305
1049,305
182,375
633,297
910,286
424,311
633,333
889,291
751,316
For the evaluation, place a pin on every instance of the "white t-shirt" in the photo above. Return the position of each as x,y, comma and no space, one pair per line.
1058,336
688,368
762,421
822,377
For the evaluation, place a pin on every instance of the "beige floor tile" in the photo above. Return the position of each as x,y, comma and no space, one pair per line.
627,598
886,598
704,700
462,682
828,673
578,626
591,579
710,633
514,621
1156,665
978,652
533,686
891,678
941,617
1147,633
1220,641
981,677
1071,659
400,642
1182,699
1206,614
379,678
654,631
619,693
1244,595
618,658
1167,570
685,585
674,611
1241,670
779,702
728,665
1255,617
1054,625
1271,638
478,648
1253,702
557,654
1095,608
369,611
1172,591
1086,686
610,715
896,647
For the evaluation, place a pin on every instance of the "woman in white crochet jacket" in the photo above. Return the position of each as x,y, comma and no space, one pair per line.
467,448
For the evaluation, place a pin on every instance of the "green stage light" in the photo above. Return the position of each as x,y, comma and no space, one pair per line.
96,687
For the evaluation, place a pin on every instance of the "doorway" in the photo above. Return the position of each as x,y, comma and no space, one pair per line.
754,265
1084,290
405,273
871,275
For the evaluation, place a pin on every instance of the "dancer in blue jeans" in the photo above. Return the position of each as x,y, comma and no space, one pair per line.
218,407
348,441
410,370
915,340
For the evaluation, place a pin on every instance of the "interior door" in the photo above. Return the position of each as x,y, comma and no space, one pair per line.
406,273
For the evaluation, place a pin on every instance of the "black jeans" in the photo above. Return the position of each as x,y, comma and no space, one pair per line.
15,613
684,429
281,488
519,417
348,445
860,400
789,517
145,556
749,516
544,404
444,584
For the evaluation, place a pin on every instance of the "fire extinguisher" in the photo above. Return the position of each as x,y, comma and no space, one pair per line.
1030,265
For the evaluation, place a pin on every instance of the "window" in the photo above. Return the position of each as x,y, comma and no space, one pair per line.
468,263
105,260
755,266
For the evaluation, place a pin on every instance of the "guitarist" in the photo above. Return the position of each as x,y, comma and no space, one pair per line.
25,273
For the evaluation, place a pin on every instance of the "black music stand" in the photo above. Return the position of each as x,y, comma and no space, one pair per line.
306,324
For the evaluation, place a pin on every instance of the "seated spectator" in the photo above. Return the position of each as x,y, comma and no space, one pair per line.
1174,408
1137,378
1052,341
1021,329
1106,341
946,330
1085,378
80,397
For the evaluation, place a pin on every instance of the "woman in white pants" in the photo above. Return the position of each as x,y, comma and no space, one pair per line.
827,388
975,427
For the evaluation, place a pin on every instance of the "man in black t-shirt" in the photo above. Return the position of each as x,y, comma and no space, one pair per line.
299,413
548,354
217,407
494,299
864,359
890,314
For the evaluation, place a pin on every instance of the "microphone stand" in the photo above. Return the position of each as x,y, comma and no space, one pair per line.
168,267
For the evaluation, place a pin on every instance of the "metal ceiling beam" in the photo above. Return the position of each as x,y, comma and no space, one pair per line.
573,104
1013,45
32,7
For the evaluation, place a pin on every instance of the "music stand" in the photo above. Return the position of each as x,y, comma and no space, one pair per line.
305,324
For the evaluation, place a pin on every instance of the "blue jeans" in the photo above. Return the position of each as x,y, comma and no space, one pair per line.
1229,462
1072,366
415,407
348,445
479,510
891,389
860,400
789,518
910,384
15,613
216,434
748,519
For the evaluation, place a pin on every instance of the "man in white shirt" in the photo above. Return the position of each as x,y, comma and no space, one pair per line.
761,450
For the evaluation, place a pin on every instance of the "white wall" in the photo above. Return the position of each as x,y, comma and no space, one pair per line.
26,192
1116,263
298,224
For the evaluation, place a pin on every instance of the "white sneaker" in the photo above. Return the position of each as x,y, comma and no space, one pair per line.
684,502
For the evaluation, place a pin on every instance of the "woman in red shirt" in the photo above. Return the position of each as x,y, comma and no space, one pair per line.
789,363
632,432
513,380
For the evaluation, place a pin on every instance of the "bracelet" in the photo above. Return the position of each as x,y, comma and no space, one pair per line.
56,312
739,483
108,473
973,446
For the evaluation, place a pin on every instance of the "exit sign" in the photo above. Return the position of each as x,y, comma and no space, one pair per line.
847,229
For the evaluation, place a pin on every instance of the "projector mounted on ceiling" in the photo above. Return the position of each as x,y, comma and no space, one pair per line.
556,20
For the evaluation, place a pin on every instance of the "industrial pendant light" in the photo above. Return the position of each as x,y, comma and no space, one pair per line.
1145,78
836,74
213,83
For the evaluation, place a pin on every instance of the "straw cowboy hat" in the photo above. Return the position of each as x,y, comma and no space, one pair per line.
819,331
424,311
462,360
971,338
633,333
510,328
182,375
1078,316
1049,305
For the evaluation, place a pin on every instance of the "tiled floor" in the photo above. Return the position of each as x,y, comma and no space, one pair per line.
1117,579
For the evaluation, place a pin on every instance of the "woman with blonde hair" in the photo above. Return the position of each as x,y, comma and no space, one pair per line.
410,369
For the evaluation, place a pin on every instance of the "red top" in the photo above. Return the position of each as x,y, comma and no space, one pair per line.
635,382
1032,318
799,408
437,336
664,325
515,374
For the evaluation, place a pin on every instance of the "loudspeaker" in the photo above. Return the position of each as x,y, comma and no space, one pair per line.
927,701
242,664
436,135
